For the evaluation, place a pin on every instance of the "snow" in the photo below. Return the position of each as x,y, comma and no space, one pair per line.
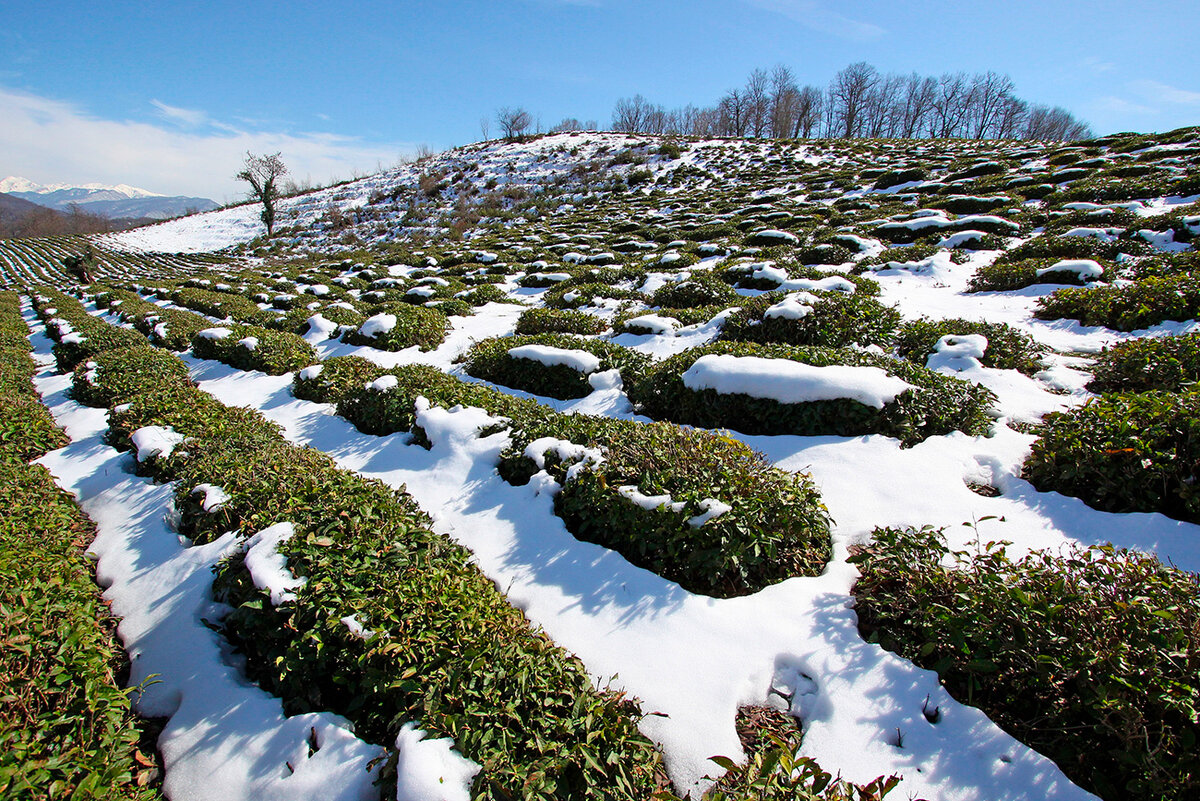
377,324
579,360
711,509
1086,269
214,333
795,306
957,353
249,343
654,323
268,568
781,236
214,497
384,383
787,381
650,502
430,770
152,441
312,372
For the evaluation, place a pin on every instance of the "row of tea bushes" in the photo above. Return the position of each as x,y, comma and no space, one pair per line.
1089,656
66,729
699,509
435,643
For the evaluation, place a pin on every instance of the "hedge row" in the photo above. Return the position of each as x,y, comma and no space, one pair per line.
1141,304
775,527
489,359
1007,349
1115,708
1170,363
937,404
836,319
1137,452
449,652
78,335
66,729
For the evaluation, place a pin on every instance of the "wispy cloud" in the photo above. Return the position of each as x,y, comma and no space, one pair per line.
189,152
1119,105
1163,93
815,15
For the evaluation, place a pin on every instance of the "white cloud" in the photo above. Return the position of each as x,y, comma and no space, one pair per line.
50,141
1153,90
812,14
1119,105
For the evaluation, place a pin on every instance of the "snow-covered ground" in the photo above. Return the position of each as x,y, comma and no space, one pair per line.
692,658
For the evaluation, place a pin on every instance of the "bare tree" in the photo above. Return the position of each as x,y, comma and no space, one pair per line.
1055,124
809,105
918,102
849,92
758,103
514,121
951,105
568,124
732,114
630,114
263,174
485,127
987,94
784,97
1010,119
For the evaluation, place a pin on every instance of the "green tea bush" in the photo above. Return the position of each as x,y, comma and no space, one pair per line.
836,319
573,296
334,379
1008,348
220,305
1170,363
484,294
1141,304
65,726
1087,656
89,336
249,347
966,204
1132,452
119,373
559,321
1074,247
1004,276
449,651
704,289
903,176
937,404
410,326
489,360
776,527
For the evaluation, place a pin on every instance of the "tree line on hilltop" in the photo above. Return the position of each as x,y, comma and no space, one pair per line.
859,102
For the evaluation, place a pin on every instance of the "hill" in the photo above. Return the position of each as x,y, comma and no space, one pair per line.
820,439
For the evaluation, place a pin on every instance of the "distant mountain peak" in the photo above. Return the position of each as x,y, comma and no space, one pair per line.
15,183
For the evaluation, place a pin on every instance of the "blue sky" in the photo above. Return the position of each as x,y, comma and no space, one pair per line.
167,95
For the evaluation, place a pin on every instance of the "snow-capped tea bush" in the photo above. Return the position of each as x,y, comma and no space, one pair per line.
334,379
1170,363
827,319
249,347
700,509
627,322
26,428
923,404
703,289
1074,247
1005,276
1007,347
484,294
169,328
118,373
1141,304
902,176
78,335
438,618
574,296
1087,656
397,326
220,305
554,365
1133,452
558,321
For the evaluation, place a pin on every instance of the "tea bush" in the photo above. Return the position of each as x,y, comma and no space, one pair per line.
490,360
1007,349
1141,304
449,651
559,321
410,326
334,379
836,319
1003,276
937,404
1170,363
703,289
1088,656
776,527
1124,453
248,347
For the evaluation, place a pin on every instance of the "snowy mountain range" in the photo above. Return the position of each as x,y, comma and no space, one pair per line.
117,201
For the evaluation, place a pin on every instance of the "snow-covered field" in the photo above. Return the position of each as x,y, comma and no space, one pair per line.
691,660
